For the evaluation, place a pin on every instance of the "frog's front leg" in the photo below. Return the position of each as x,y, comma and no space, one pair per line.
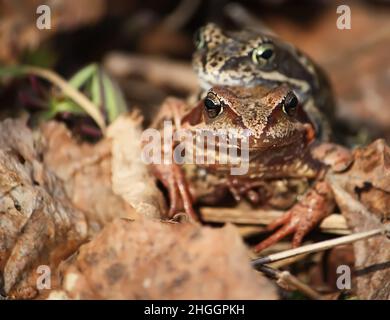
171,174
315,205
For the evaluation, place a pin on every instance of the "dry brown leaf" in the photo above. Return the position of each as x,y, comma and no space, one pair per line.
38,224
86,172
130,176
363,195
148,259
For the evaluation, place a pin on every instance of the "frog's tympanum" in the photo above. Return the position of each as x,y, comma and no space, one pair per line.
249,58
281,149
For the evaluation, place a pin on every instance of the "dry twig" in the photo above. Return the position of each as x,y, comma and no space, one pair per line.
286,280
320,246
156,70
335,223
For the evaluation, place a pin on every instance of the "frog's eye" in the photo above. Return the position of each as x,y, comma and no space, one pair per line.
290,104
212,106
263,54
199,40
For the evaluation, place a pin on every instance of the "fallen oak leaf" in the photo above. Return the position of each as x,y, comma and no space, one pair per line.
131,178
86,171
363,196
38,224
148,259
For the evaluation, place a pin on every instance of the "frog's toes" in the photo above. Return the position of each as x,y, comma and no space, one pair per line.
294,221
302,217
289,226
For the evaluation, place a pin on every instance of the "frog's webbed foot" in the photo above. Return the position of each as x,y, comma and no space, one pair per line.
302,217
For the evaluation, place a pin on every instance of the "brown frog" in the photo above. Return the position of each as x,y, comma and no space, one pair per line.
280,148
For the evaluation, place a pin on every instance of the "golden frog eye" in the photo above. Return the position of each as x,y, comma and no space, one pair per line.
199,40
263,54
212,106
290,104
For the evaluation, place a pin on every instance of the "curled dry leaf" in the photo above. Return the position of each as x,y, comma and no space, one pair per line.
86,172
148,259
38,224
363,195
130,176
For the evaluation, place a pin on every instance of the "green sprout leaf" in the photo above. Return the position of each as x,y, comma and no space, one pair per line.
105,95
83,76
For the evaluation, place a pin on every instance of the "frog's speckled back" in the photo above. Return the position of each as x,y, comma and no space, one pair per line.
248,58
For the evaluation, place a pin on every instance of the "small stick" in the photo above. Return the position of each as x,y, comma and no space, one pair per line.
157,71
335,223
299,285
320,246
71,92
285,279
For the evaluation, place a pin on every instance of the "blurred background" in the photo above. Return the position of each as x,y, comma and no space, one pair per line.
147,46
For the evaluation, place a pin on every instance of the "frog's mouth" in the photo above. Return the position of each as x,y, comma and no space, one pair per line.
299,138
254,144
261,155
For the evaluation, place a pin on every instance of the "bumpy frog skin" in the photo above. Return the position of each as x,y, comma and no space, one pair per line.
281,149
248,58
277,140
269,115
